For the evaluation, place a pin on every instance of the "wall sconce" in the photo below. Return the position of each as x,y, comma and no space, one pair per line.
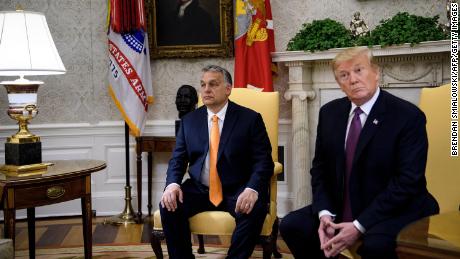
26,48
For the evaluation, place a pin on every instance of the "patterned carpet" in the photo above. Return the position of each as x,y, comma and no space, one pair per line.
123,252
61,238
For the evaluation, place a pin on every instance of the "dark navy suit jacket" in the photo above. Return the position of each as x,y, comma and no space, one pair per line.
244,155
388,173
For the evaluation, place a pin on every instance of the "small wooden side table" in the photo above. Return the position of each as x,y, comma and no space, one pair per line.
437,236
149,144
65,180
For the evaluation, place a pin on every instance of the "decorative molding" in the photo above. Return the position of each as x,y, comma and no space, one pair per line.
407,71
106,128
404,49
296,63
302,95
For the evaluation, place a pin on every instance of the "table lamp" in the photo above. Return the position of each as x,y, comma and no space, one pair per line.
26,48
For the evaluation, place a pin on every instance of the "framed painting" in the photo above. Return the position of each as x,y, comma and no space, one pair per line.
190,28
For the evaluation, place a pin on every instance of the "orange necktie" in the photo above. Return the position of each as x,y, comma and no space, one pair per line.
215,186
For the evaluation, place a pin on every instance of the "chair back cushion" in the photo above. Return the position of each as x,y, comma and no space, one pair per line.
222,223
265,103
442,171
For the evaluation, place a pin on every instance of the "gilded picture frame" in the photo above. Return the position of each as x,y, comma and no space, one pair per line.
170,38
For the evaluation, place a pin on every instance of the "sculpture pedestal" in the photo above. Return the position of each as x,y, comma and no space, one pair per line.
23,153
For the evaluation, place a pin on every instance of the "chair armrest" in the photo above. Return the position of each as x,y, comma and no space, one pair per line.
278,168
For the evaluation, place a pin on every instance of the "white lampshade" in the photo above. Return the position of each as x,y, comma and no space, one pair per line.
26,45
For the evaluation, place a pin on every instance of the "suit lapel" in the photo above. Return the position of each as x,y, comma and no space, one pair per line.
342,121
230,120
373,122
203,133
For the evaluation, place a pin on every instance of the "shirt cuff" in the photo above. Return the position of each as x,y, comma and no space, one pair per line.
326,212
359,226
253,190
172,184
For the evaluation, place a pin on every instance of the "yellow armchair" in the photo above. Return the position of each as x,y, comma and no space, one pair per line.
442,170
222,223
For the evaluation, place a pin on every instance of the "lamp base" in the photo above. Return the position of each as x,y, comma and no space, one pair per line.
25,170
23,153
127,216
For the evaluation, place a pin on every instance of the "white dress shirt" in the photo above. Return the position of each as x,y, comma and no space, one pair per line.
204,178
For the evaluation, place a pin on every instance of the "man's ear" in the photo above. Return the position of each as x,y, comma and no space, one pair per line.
378,71
228,89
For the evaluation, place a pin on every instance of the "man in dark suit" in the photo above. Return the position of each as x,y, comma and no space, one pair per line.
243,163
368,181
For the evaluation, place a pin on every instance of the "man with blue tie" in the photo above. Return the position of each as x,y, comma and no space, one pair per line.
368,173
228,155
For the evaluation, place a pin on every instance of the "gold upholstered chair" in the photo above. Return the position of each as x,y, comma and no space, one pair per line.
222,223
442,170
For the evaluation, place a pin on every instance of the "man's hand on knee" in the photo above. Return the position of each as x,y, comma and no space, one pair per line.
246,200
170,196
347,235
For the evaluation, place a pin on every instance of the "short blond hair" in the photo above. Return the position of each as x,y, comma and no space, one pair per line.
351,53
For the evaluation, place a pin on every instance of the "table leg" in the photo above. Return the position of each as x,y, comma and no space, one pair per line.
87,225
149,180
139,182
9,214
10,223
31,230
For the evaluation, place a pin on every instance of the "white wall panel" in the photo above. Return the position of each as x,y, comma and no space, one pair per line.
105,141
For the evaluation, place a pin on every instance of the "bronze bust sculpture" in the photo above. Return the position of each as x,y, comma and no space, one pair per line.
186,100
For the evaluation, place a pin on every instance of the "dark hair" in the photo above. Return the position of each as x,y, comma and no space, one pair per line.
223,71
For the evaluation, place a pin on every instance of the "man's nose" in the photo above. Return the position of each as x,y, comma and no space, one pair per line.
353,77
206,88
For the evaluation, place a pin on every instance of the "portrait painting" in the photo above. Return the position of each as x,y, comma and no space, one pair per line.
190,28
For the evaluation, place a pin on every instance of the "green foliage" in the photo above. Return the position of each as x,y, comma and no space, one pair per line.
401,28
404,28
321,35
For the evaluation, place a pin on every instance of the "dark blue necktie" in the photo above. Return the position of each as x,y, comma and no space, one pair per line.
350,148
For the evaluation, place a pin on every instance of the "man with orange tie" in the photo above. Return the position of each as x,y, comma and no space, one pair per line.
228,155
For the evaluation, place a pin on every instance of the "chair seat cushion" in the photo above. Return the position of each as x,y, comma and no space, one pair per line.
213,223
216,222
